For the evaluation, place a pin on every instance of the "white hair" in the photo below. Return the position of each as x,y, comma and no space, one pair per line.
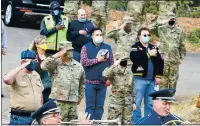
81,10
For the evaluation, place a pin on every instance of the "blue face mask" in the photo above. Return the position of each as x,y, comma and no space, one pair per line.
82,19
56,12
98,39
145,39
31,66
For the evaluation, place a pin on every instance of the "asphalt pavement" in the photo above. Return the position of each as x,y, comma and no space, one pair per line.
20,37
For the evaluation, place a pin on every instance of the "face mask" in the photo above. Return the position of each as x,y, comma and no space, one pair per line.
56,12
98,39
31,66
171,23
145,39
127,28
123,63
82,20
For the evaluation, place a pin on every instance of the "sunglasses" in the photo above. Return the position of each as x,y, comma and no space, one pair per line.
146,35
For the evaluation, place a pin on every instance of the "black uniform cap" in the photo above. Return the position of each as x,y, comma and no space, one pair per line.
48,107
165,95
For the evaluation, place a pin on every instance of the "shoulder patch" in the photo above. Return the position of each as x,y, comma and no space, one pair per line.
133,49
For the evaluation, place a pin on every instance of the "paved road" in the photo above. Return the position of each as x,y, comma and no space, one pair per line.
20,38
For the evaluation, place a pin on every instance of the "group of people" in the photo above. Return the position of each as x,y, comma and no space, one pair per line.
71,59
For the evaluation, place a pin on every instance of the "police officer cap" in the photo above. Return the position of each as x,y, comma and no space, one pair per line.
165,95
66,44
48,107
28,54
127,19
54,5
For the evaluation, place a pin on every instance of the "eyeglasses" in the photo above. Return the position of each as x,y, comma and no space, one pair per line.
146,35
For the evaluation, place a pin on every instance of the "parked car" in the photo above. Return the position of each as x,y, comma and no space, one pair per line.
14,10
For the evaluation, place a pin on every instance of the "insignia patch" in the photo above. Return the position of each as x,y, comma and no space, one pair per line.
133,49
141,49
140,68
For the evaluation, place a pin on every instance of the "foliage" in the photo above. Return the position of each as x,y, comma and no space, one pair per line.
194,36
118,5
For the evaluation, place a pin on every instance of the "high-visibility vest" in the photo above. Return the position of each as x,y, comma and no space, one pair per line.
62,34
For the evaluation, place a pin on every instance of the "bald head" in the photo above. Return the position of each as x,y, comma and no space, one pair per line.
81,15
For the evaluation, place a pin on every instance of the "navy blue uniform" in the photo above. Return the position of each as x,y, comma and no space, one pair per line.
154,119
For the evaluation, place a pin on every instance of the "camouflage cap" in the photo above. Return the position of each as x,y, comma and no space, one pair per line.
171,15
121,56
65,44
127,19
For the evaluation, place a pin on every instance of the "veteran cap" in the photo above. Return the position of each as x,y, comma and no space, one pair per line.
65,44
165,95
48,107
28,54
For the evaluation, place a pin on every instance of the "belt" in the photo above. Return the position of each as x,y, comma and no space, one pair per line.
121,93
20,112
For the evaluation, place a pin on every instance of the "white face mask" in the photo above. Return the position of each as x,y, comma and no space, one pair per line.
98,39
56,12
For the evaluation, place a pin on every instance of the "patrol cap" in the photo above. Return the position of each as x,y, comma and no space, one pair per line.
170,16
127,19
165,95
28,54
54,5
122,56
48,107
65,44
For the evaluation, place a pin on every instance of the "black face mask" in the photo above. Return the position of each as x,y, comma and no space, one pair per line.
127,28
123,63
171,22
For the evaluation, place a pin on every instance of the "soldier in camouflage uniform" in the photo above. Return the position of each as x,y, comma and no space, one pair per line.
135,10
71,8
173,50
121,98
100,13
68,80
165,8
124,37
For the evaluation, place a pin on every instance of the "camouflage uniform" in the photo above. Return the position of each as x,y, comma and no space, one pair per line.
135,10
121,98
173,49
71,8
124,42
100,13
166,7
68,84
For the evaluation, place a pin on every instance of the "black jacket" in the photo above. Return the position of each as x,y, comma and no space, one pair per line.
78,40
139,57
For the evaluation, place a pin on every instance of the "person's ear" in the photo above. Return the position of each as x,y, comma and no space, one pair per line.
44,121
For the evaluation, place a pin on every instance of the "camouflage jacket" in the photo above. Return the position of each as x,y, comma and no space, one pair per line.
68,79
122,81
172,43
100,8
123,40
71,7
